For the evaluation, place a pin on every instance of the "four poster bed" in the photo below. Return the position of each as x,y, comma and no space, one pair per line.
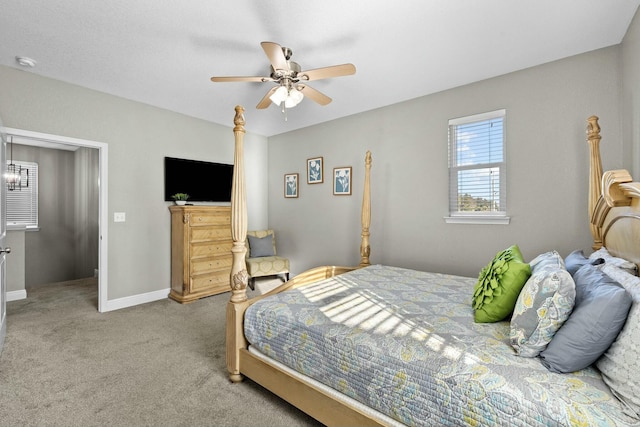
380,345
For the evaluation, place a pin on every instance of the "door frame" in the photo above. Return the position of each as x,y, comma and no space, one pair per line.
103,219
3,232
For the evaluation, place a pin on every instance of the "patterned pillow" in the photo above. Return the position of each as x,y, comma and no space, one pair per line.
551,258
599,314
620,364
499,284
544,304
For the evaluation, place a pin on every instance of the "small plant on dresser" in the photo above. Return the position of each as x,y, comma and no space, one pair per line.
180,198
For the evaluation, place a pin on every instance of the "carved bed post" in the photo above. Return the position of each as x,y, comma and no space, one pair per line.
239,277
595,177
365,249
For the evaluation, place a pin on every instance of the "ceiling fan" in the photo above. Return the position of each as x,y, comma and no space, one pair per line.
290,80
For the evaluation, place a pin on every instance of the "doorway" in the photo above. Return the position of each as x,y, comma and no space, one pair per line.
25,137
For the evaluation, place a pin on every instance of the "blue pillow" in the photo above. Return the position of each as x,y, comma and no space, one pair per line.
261,246
576,259
599,314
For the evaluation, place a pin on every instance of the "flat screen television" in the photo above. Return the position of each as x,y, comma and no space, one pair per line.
202,181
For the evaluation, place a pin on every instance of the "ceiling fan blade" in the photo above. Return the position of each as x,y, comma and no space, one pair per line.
328,72
275,55
314,95
265,102
241,79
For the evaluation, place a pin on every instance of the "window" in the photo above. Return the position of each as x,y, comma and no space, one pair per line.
22,204
477,168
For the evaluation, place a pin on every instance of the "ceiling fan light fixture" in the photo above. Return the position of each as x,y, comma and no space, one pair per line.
294,98
279,95
291,97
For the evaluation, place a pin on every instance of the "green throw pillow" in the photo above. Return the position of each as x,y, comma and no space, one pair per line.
499,285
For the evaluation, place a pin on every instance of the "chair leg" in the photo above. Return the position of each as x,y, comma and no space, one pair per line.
252,284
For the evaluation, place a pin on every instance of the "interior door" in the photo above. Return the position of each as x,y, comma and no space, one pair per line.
3,234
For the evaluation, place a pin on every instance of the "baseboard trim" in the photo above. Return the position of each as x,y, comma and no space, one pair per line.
117,304
16,295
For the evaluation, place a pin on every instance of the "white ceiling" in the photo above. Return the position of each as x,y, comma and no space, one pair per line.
163,52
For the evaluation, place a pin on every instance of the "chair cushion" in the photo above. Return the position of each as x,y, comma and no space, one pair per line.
261,246
260,233
267,266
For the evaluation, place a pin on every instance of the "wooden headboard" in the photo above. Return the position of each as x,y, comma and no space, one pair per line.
614,204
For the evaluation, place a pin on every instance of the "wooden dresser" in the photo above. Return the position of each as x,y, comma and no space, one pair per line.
200,251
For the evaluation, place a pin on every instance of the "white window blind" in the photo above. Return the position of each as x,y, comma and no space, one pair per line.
22,203
477,166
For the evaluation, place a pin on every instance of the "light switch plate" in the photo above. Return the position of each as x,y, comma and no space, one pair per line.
119,217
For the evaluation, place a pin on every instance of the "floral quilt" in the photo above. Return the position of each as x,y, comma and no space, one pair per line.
405,343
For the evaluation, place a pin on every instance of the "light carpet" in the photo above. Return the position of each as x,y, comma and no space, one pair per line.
156,364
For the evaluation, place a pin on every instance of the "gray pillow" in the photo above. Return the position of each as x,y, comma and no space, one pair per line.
261,246
599,314
576,259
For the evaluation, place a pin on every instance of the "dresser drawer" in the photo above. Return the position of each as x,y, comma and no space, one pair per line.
207,249
211,264
219,279
220,218
210,233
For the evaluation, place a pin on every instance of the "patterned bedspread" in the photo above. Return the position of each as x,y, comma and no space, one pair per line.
404,343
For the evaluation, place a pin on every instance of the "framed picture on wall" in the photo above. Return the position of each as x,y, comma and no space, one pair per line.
342,181
315,171
290,185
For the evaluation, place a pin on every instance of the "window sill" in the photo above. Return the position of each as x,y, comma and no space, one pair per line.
492,220
21,227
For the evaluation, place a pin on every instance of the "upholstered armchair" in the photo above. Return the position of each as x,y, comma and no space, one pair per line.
261,257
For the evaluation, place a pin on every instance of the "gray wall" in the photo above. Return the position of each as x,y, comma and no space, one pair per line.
65,247
86,204
631,96
49,252
547,172
15,265
139,137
